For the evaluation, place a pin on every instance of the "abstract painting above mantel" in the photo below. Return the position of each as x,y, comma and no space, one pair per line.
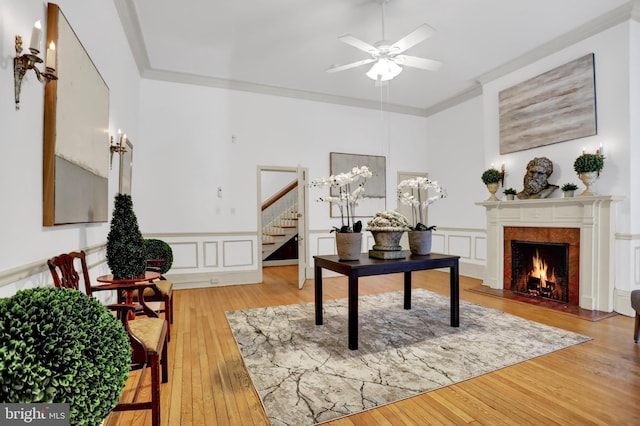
556,106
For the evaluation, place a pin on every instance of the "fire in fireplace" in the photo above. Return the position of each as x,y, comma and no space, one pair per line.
540,269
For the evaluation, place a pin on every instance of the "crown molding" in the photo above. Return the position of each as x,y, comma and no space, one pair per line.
461,97
200,80
595,26
131,24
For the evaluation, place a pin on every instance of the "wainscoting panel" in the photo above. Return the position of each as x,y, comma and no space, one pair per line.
237,253
480,249
210,254
460,246
185,255
325,245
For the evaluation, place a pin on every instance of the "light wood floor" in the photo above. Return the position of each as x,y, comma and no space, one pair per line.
595,383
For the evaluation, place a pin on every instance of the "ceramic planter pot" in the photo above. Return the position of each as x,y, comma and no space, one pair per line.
349,245
387,240
420,242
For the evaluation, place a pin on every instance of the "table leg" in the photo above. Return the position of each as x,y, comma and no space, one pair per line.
407,290
454,288
353,312
318,293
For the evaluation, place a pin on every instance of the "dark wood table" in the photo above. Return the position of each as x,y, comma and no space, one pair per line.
367,266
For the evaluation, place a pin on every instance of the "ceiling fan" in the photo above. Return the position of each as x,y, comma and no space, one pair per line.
388,58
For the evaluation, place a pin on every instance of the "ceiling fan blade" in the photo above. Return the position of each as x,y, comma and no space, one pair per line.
416,62
421,33
351,65
358,44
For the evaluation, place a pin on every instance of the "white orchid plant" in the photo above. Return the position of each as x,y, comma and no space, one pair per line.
350,187
410,192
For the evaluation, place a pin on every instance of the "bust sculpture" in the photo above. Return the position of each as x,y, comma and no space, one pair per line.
536,184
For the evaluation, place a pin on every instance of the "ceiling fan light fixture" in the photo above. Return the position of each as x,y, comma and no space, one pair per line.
383,70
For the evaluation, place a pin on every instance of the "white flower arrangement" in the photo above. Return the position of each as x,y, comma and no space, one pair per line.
409,193
388,220
346,200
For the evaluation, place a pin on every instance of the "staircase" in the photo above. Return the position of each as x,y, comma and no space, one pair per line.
279,220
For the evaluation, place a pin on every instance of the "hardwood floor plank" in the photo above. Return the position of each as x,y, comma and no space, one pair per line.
597,382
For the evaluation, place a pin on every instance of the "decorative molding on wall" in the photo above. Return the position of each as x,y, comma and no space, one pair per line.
39,266
595,26
131,24
237,253
460,245
210,246
181,256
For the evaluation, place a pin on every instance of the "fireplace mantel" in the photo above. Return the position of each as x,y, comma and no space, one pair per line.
595,216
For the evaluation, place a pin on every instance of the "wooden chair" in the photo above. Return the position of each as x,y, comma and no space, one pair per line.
159,259
161,290
147,335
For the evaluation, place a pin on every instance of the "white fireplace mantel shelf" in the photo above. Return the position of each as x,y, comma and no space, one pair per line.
594,215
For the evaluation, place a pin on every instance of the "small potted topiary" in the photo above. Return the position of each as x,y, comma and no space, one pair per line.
588,167
491,177
510,193
62,346
568,189
159,253
126,255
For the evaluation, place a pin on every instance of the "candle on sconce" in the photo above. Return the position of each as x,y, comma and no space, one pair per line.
601,151
36,35
584,150
502,168
51,56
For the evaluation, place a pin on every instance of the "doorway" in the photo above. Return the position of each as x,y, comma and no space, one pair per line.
287,186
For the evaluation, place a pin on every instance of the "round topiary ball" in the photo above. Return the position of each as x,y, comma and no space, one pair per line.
62,346
158,249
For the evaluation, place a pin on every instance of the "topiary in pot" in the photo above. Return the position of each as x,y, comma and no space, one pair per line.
62,346
491,176
588,163
158,249
126,255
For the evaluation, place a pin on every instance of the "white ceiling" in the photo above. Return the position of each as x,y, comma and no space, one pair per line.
285,46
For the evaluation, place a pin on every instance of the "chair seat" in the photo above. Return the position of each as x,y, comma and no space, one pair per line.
149,331
165,287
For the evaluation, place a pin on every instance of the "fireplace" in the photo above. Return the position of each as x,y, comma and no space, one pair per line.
587,224
540,270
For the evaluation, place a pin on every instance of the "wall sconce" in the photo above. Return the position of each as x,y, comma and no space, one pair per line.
119,148
23,63
502,174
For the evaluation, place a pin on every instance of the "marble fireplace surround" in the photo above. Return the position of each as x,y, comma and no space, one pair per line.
594,216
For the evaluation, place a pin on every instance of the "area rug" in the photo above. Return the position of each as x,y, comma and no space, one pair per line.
305,374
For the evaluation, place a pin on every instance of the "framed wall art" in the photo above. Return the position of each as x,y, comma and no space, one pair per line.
556,106
126,168
375,194
76,139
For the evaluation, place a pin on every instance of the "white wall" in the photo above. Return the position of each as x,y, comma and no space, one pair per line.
23,238
188,152
183,151
616,66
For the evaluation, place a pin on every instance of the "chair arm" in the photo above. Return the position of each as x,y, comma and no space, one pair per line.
130,288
